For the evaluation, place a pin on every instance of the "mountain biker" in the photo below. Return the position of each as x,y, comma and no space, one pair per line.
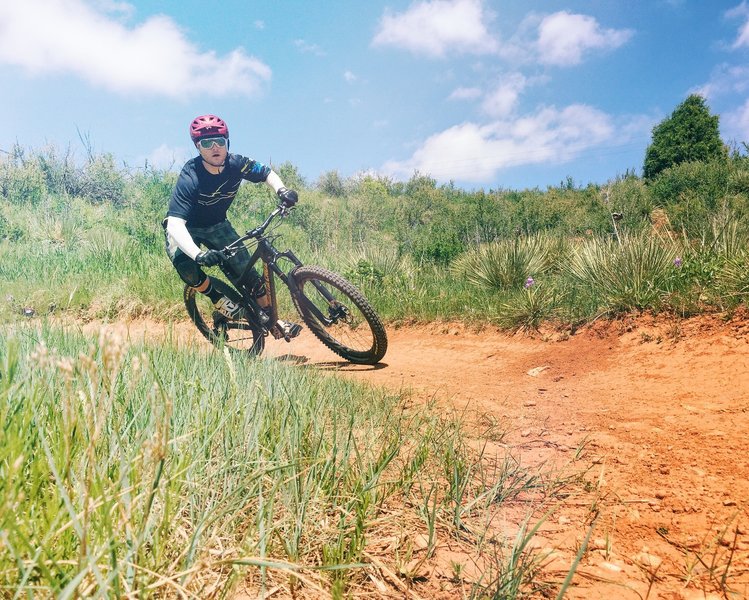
205,189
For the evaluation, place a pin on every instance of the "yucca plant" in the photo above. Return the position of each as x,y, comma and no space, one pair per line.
507,264
633,274
733,278
531,306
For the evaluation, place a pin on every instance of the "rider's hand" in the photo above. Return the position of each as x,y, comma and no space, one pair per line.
288,197
210,258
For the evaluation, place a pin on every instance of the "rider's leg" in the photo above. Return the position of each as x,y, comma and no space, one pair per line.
193,275
237,268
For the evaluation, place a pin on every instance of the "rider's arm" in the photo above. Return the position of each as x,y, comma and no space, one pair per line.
274,181
287,197
177,229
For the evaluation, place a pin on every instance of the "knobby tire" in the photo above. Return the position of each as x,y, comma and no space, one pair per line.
250,340
359,336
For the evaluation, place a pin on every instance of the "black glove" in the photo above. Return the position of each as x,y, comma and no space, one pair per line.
210,258
288,197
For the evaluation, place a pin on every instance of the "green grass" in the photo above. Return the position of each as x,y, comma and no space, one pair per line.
152,470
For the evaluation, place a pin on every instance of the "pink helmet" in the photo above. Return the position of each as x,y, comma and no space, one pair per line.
207,125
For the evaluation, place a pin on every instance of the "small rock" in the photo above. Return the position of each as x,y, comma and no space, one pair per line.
530,403
692,542
536,371
598,544
729,503
564,520
661,494
611,567
648,560
525,433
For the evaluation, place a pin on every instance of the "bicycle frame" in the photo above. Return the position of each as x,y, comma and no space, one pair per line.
270,256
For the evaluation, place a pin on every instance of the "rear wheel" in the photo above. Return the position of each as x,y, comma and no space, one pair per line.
339,315
240,335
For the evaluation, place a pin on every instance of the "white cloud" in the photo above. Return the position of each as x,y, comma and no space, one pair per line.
155,57
735,123
349,77
564,37
740,12
167,157
476,153
465,93
126,9
308,48
501,101
725,79
438,27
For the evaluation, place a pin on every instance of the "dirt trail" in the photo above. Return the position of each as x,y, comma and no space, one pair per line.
657,414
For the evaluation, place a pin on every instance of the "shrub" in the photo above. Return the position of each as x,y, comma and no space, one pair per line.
632,275
21,180
690,134
733,279
507,264
330,183
528,308
102,182
376,267
691,192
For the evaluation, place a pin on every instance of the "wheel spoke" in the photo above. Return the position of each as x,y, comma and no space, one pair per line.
339,315
236,335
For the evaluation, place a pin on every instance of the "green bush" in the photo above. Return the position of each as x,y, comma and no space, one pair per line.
691,192
632,275
507,264
528,308
21,180
690,134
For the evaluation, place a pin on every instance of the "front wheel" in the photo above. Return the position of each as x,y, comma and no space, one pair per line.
237,335
339,315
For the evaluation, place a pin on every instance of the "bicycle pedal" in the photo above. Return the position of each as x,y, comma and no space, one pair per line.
285,331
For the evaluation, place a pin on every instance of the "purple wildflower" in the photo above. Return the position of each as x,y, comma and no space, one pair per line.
677,262
529,282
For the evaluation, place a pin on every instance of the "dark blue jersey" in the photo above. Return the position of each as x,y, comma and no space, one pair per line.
202,199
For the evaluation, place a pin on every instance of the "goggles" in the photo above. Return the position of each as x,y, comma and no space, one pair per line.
209,141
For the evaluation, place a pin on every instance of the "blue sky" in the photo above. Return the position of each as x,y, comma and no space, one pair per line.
486,93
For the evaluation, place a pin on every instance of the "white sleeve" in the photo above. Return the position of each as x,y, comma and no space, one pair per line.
274,181
176,228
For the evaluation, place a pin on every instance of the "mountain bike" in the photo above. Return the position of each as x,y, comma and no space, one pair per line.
335,311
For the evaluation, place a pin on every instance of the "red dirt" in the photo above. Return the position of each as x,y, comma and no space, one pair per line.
655,413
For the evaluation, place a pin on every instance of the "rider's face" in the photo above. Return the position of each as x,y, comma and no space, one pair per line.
214,156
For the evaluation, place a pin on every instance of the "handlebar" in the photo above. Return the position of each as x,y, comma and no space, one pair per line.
280,210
